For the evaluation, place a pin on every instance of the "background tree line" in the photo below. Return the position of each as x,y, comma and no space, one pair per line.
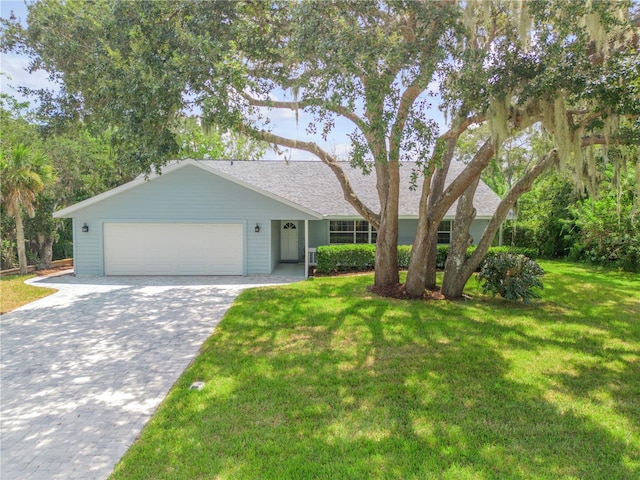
599,225
56,162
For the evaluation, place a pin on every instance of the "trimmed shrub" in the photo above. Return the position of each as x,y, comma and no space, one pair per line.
358,257
511,276
345,258
361,257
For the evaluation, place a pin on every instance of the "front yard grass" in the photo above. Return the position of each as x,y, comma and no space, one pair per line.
14,292
322,379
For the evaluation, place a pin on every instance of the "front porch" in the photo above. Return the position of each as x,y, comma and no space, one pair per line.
289,270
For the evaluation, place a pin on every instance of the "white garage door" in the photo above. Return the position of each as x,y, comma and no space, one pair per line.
173,249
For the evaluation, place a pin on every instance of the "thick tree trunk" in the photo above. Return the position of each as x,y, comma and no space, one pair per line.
388,184
22,252
423,251
431,267
45,247
417,273
437,188
455,289
386,268
453,282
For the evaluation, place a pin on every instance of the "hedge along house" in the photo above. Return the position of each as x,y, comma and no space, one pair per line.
236,218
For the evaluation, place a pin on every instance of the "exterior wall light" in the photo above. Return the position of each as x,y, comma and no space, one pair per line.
257,229
85,228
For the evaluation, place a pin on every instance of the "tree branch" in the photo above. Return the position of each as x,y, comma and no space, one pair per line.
462,181
309,102
347,190
522,186
457,130
406,101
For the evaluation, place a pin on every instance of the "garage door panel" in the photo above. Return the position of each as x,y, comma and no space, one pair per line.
173,249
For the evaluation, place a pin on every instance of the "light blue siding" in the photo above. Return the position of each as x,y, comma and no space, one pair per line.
275,243
407,231
318,233
477,229
182,196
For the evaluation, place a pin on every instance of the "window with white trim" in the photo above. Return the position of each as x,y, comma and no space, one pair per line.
444,232
351,231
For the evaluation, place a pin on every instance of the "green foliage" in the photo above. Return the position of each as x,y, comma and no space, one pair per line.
494,251
513,277
607,228
601,228
345,258
361,257
441,255
128,67
544,218
25,172
349,258
7,253
404,255
205,142
83,164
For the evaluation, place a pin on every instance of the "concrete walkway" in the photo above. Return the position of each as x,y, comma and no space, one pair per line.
83,370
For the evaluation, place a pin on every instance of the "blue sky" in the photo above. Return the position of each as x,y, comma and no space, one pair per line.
15,66
14,69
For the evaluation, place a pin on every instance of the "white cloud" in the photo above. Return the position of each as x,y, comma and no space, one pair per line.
341,150
15,74
289,154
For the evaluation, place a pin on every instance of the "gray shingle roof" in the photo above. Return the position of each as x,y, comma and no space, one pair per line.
311,184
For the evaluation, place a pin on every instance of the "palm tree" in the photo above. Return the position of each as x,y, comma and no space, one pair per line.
24,173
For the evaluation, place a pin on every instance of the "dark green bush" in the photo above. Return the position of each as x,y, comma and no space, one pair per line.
348,258
611,250
345,258
361,257
514,277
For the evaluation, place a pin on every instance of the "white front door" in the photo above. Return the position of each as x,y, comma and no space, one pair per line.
289,241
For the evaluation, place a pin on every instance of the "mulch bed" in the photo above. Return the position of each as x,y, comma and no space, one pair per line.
56,267
399,291
53,271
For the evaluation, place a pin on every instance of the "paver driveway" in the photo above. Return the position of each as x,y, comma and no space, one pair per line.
84,369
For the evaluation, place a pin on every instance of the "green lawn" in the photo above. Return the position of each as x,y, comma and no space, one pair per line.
323,380
14,292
